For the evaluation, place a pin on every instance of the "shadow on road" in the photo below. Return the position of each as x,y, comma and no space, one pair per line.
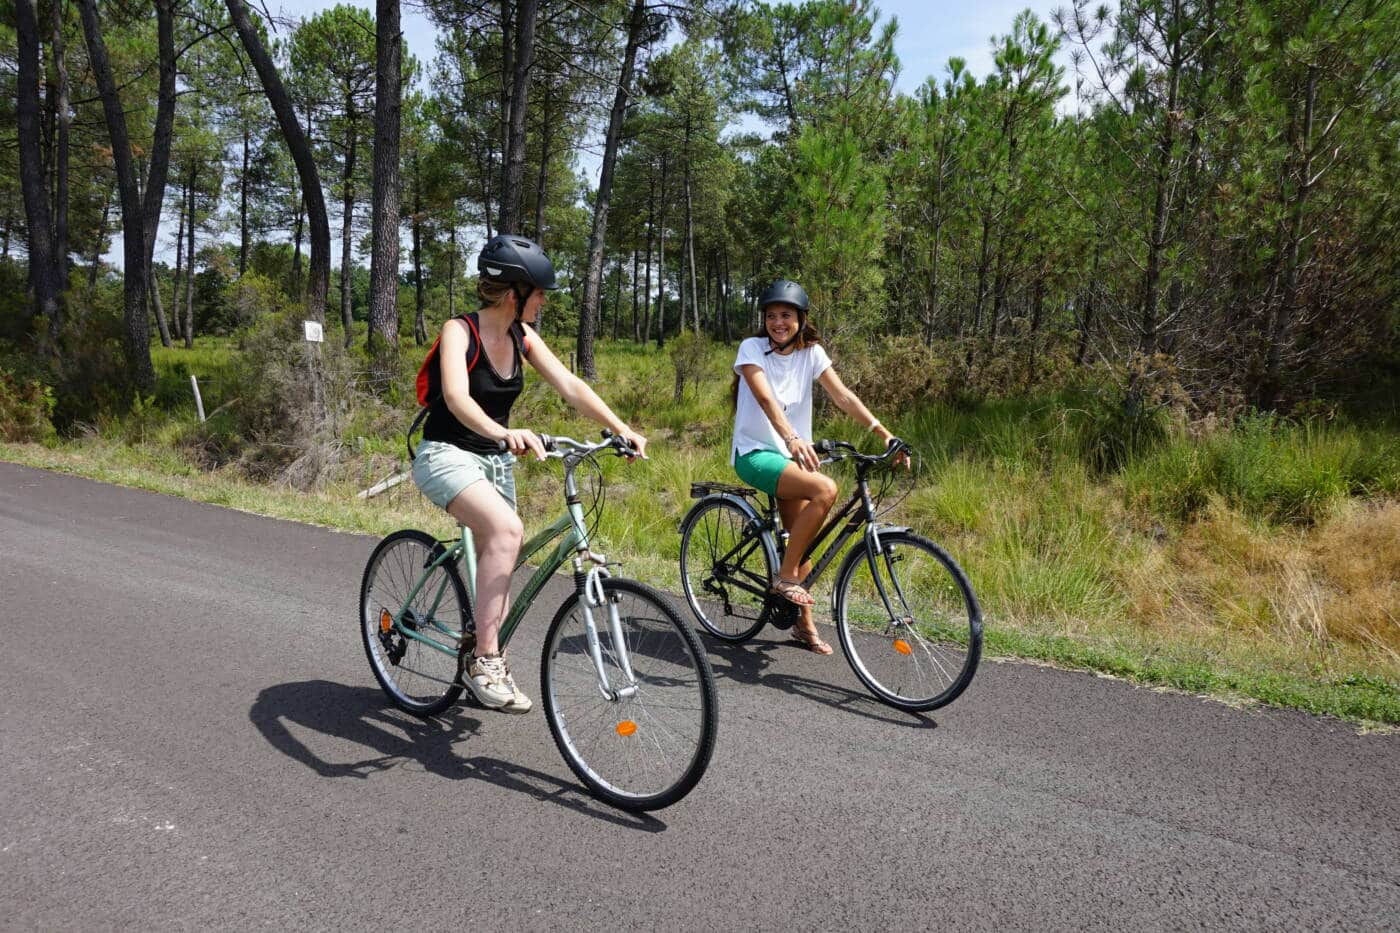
360,715
747,663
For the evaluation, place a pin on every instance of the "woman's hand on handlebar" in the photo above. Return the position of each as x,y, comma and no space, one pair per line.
803,452
520,441
638,442
902,457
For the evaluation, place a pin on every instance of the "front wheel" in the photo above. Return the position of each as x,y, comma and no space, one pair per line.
908,621
645,743
412,638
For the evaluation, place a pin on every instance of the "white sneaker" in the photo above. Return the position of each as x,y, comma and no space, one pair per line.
489,681
519,702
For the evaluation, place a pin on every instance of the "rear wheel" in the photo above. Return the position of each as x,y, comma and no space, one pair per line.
413,645
647,744
725,570
908,621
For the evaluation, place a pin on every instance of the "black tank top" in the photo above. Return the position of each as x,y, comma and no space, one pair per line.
494,393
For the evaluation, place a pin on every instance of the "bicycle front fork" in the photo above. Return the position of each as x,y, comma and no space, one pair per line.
595,597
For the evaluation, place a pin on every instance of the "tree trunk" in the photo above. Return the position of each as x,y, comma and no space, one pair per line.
635,296
724,301
384,222
101,238
452,273
43,275
525,15
136,337
175,315
306,170
162,326
1161,207
60,201
651,237
158,170
597,239
617,298
243,209
301,217
542,182
661,265
347,214
690,258
420,327
189,267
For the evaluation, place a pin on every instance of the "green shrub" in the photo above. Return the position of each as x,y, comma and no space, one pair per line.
25,409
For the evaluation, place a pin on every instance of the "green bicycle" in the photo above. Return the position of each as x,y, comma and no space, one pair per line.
627,689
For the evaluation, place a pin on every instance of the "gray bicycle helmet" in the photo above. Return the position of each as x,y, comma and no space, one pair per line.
517,260
786,291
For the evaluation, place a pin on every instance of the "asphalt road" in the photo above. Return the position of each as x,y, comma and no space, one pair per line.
191,737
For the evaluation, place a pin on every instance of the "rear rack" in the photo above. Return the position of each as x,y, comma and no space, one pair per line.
701,490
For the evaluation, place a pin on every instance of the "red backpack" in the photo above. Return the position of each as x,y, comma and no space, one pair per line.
424,381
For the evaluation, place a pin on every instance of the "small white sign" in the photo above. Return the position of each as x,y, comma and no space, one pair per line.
314,333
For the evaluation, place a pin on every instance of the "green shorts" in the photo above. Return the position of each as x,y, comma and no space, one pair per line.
443,470
761,469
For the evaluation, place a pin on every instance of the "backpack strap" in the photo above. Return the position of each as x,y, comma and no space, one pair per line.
476,339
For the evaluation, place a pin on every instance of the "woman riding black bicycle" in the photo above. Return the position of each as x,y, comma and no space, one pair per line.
772,448
472,378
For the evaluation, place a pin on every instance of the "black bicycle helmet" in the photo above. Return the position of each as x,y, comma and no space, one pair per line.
786,291
517,260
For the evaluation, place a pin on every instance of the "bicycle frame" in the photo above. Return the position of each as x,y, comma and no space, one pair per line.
858,513
574,532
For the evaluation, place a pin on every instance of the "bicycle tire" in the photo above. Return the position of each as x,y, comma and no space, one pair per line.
601,738
734,612
909,667
418,679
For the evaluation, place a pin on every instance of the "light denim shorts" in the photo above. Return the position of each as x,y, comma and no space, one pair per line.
443,470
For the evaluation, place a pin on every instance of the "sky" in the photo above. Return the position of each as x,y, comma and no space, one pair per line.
930,31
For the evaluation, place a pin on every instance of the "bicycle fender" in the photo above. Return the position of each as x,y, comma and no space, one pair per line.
882,527
738,502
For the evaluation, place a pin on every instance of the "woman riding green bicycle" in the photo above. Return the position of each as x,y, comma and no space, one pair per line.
473,376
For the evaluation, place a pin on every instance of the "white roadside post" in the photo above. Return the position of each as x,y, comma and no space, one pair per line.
198,402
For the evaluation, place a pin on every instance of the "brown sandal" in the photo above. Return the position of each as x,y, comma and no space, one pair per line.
793,592
812,641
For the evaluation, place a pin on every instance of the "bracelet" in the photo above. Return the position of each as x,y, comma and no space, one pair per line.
875,424
790,439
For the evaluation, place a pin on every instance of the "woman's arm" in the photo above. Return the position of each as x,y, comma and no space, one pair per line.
576,392
847,401
800,447
456,392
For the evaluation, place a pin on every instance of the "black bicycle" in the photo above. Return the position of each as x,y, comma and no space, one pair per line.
905,613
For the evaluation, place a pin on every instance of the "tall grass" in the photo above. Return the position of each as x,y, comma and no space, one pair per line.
1262,557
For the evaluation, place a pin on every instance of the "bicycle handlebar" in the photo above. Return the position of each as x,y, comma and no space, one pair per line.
559,447
833,450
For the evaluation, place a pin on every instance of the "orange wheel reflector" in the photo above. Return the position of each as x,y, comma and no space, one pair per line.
386,621
626,727
902,646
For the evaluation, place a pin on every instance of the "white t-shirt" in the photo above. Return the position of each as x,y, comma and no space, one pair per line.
790,377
